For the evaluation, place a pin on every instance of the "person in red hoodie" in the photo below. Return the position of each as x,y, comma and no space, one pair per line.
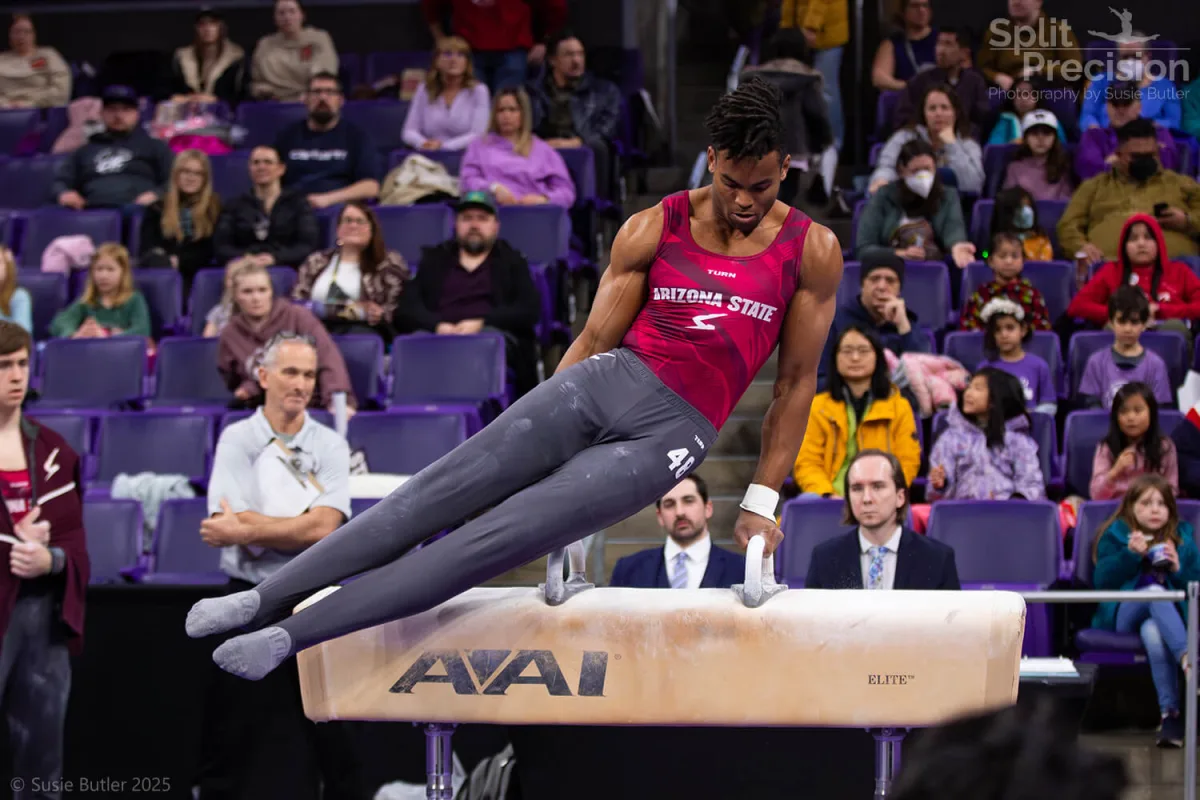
1171,286
501,33
42,591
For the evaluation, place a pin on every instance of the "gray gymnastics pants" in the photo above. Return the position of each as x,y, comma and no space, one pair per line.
593,445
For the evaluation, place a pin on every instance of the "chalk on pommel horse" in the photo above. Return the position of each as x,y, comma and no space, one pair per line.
881,661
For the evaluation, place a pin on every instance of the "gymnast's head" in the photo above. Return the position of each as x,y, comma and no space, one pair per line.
684,511
14,364
1019,753
876,492
287,373
746,154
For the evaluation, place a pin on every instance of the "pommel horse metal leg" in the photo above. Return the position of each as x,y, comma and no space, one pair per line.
439,762
887,758
760,585
557,592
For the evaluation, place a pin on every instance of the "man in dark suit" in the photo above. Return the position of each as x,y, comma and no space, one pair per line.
689,560
881,553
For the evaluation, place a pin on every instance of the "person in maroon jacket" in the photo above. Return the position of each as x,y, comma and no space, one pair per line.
501,33
42,591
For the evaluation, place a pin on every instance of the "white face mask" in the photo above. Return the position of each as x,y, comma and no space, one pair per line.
1130,69
921,183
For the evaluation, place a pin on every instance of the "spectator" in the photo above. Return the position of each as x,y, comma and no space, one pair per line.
261,514
986,452
218,316
1015,213
910,51
502,34
689,560
32,76
45,584
1191,109
953,49
1146,547
1094,220
1128,360
1098,146
120,166
1002,62
1024,99
915,216
211,68
329,158
860,410
354,287
1137,442
517,167
826,26
1172,290
943,127
450,109
574,108
1041,165
477,281
258,316
15,303
110,305
1006,333
882,553
1158,97
269,224
285,62
177,231
878,307
1006,262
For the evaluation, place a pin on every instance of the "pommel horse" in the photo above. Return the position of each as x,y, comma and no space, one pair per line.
567,653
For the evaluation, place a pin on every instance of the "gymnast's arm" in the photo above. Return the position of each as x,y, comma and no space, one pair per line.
622,290
809,315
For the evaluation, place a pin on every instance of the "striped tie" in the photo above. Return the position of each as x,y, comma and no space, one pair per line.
679,577
875,573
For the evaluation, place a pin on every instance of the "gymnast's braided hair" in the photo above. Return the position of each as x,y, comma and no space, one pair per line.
747,122
1019,753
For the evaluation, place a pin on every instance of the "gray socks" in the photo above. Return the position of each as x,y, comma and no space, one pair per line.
253,655
220,614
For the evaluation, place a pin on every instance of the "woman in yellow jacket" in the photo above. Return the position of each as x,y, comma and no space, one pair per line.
826,25
848,418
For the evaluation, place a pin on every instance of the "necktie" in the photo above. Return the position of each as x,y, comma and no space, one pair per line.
679,576
875,572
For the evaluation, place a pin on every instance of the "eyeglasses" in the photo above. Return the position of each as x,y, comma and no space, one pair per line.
356,221
325,92
861,352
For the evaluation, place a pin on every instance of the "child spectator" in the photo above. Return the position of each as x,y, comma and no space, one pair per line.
15,304
1146,547
1172,289
1134,445
1023,101
110,305
1006,262
1004,341
1015,212
1128,360
1041,165
177,231
986,452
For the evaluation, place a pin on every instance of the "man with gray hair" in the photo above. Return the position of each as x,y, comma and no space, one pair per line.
280,483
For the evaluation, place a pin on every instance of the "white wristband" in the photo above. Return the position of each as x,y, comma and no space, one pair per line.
760,500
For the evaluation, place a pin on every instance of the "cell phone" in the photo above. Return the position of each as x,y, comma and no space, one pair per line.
1160,209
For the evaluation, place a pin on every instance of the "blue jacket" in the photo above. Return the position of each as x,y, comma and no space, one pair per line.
646,569
1118,567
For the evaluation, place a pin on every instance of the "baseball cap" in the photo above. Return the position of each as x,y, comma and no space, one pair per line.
118,94
476,199
1039,117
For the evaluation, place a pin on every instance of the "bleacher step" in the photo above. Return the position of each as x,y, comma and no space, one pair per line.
741,436
1154,774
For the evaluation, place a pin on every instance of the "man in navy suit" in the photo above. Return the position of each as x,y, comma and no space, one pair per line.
881,553
689,560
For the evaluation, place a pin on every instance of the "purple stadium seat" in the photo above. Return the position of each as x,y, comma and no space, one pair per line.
966,347
15,125
55,123
1170,345
1048,214
27,181
48,293
282,280
263,121
926,290
1099,646
360,504
466,372
44,225
542,233
186,376
885,113
1002,544
408,229
1054,279
207,287
547,280
77,429
179,555
581,163
363,355
806,523
450,159
1082,431
231,174
405,443
100,374
383,121
319,414
349,70
147,441
995,163
1043,434
163,290
381,65
114,537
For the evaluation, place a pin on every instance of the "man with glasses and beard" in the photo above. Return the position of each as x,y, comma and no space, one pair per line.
476,282
330,159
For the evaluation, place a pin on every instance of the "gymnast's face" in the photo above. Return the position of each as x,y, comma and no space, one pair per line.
745,189
14,378
683,513
871,489
289,382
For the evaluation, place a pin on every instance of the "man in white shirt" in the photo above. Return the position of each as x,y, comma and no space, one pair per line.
688,560
881,553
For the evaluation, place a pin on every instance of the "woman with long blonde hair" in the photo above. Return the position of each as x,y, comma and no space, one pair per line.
15,304
110,305
452,107
177,231
218,316
516,166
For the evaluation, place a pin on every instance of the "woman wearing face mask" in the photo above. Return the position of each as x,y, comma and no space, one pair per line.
1041,165
915,216
943,125
1015,214
1161,101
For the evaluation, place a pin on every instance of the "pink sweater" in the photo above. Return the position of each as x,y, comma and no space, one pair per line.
491,159
1105,489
